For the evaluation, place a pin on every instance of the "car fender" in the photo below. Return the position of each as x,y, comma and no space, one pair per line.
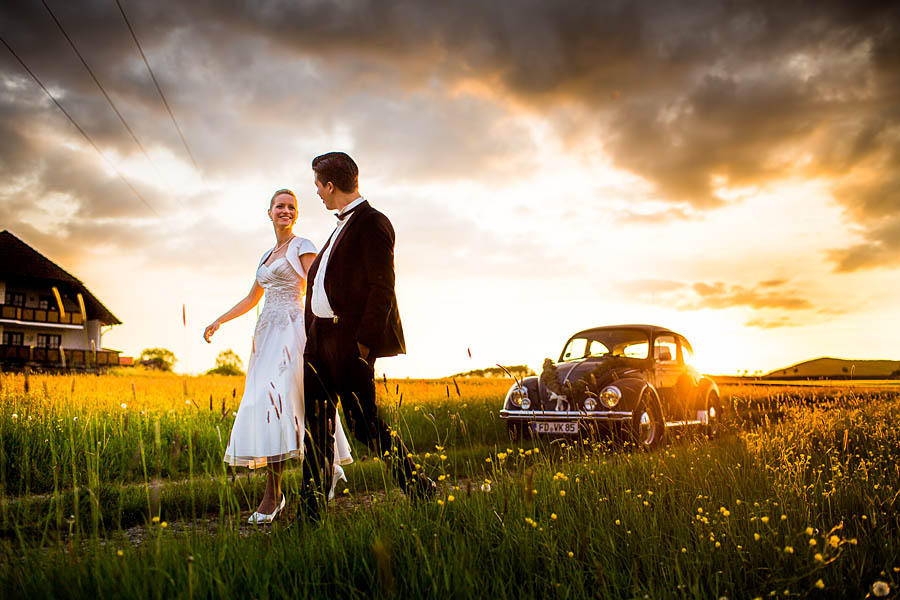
632,389
704,386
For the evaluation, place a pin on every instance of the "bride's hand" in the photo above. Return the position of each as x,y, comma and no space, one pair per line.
210,330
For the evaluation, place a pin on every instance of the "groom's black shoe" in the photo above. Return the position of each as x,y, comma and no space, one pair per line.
303,521
420,487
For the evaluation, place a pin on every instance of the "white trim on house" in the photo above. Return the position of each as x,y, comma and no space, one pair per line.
41,324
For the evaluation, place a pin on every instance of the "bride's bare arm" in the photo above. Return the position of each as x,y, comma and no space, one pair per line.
252,299
306,260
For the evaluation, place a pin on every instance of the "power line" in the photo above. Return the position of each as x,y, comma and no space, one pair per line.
78,127
99,85
158,89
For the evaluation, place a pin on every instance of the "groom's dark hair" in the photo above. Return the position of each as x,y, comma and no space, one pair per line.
339,169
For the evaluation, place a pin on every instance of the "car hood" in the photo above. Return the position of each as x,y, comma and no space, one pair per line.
603,369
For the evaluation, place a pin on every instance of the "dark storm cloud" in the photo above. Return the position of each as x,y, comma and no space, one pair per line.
687,96
683,95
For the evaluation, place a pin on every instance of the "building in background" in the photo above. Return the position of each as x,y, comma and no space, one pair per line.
49,320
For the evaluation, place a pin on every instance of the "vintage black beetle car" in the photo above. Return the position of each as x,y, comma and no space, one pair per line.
636,380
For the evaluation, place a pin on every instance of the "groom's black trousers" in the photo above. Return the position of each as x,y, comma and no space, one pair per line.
334,371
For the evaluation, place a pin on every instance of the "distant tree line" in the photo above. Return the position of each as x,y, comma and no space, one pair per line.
515,370
163,359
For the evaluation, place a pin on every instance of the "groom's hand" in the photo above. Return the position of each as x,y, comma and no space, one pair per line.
363,351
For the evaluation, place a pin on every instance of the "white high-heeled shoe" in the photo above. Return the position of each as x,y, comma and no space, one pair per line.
258,518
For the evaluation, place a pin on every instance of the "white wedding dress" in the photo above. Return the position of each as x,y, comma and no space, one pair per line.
269,426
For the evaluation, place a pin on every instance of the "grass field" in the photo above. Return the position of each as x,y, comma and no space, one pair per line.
114,486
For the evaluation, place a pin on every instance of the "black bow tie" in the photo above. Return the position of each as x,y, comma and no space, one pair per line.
346,213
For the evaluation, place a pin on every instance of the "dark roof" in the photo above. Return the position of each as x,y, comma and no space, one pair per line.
648,328
20,261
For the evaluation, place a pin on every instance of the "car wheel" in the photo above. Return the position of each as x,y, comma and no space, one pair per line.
648,427
713,414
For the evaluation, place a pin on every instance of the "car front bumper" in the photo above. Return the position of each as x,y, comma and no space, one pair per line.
607,416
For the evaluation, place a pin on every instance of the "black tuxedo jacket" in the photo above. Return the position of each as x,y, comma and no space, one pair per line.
359,283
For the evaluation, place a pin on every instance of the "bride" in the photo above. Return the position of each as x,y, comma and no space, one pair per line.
269,427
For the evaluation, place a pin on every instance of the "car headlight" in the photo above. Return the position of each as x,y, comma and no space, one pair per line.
610,396
590,403
518,396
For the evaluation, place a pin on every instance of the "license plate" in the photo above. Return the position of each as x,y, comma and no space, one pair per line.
564,428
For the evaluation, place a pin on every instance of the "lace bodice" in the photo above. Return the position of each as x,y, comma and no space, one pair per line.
284,290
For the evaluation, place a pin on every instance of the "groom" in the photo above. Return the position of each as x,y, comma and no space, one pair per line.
351,319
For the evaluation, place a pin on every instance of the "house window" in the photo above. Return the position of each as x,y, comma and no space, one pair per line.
47,303
13,338
48,340
15,298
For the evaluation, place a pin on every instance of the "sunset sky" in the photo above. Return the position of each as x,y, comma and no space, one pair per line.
730,170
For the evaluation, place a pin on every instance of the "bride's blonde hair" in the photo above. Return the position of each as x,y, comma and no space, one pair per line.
281,191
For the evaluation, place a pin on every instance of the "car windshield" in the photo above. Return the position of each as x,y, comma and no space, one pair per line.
632,343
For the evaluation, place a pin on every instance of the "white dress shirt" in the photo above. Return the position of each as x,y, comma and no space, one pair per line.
319,301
